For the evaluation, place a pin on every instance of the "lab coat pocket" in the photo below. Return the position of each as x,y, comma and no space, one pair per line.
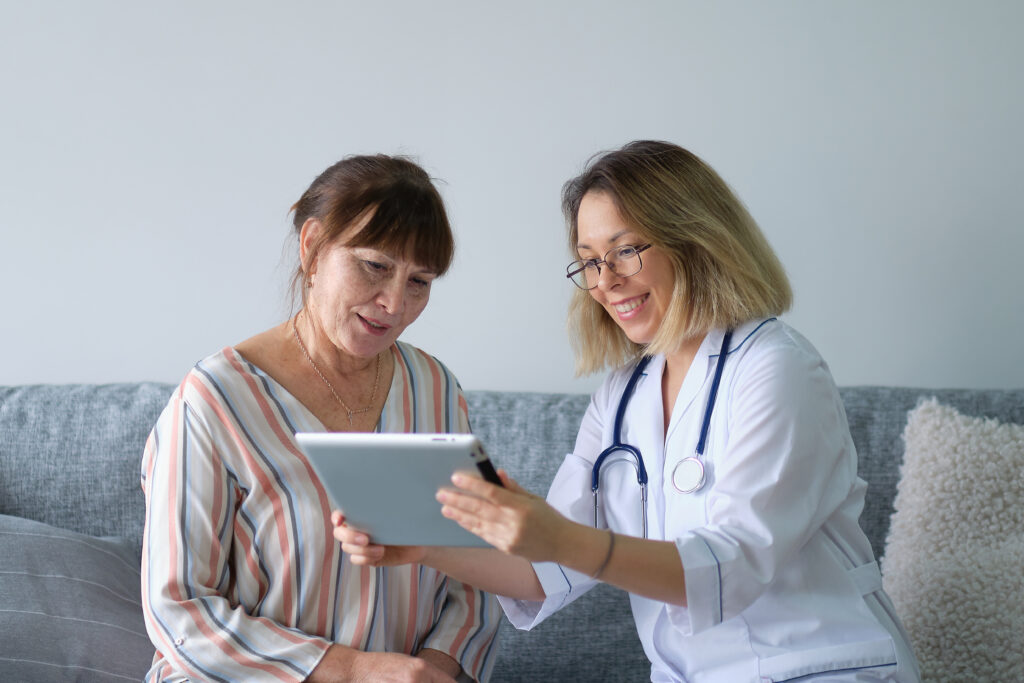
848,657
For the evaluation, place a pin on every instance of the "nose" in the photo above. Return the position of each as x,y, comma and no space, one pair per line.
607,278
392,296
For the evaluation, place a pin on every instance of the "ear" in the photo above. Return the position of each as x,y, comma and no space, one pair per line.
311,233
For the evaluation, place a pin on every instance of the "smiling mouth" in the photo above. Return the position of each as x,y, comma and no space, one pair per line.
374,325
631,304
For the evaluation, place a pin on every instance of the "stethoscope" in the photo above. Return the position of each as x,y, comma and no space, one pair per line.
688,474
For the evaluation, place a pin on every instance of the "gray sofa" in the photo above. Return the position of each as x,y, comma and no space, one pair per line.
72,514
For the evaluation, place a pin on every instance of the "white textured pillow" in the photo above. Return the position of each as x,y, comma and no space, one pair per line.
954,558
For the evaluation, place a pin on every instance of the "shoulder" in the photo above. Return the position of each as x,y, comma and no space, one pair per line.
773,361
418,364
216,379
772,343
207,393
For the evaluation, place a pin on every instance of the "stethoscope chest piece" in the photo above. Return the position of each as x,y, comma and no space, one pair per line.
688,475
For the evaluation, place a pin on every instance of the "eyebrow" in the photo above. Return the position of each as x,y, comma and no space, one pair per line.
614,238
417,268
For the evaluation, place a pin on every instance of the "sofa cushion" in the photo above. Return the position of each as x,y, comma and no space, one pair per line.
70,455
956,545
70,606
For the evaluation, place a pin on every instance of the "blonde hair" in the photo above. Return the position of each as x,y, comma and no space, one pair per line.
725,271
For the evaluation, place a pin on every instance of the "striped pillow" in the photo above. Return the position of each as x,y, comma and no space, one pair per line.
69,606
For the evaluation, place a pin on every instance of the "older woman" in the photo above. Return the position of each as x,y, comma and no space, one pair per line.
241,577
744,559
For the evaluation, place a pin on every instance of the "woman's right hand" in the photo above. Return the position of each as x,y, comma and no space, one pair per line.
345,664
510,518
356,544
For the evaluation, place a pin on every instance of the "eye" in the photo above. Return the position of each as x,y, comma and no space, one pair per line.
418,286
376,270
626,251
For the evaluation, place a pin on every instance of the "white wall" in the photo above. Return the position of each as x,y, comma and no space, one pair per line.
149,155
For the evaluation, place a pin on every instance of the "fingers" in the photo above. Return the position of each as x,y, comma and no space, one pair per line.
347,535
511,484
486,490
471,522
355,543
362,554
456,499
474,485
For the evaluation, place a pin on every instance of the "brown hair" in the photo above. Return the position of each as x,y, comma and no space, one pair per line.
409,218
725,270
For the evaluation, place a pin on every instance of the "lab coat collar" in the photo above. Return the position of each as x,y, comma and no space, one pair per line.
712,344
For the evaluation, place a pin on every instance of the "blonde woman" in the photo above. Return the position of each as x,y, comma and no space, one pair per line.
714,477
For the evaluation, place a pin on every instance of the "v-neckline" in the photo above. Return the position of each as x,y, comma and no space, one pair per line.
313,419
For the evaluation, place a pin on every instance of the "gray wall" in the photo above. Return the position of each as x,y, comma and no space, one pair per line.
149,155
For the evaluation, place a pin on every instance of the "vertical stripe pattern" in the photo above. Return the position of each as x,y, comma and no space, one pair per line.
242,578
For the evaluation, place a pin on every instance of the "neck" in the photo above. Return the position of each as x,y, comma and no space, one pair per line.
678,362
325,354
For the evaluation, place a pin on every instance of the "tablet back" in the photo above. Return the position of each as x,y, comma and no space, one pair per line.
385,483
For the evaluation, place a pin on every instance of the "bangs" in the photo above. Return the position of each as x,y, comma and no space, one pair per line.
407,222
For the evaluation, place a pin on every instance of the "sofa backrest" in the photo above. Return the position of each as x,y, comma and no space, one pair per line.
70,457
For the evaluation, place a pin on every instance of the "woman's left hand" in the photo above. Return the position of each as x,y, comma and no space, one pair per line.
511,519
361,551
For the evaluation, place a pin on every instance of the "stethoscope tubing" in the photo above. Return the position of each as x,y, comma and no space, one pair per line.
641,469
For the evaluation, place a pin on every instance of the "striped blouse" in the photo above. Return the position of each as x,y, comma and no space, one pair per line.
242,577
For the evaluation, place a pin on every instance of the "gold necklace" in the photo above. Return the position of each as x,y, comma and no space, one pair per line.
351,413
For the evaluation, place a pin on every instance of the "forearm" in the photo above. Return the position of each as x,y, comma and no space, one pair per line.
525,526
652,569
342,663
442,660
487,569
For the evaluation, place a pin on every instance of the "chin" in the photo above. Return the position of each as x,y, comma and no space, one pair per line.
642,339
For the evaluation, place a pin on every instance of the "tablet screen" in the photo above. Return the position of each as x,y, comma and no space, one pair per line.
385,484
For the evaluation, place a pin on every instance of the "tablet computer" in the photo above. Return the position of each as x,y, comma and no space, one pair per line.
385,484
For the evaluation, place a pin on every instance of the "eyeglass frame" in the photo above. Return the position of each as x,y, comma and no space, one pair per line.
597,262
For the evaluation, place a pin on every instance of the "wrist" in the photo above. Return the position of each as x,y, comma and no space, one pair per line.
607,557
579,546
441,660
336,664
429,556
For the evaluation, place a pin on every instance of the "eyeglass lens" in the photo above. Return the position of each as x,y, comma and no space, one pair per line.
623,261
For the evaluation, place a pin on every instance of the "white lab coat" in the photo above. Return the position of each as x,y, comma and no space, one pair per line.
780,580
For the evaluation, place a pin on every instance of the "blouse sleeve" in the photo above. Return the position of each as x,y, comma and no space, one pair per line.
788,465
190,503
468,621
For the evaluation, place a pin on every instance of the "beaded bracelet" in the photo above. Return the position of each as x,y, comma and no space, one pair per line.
608,555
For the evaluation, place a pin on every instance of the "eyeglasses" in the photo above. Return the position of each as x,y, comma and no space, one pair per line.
623,261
